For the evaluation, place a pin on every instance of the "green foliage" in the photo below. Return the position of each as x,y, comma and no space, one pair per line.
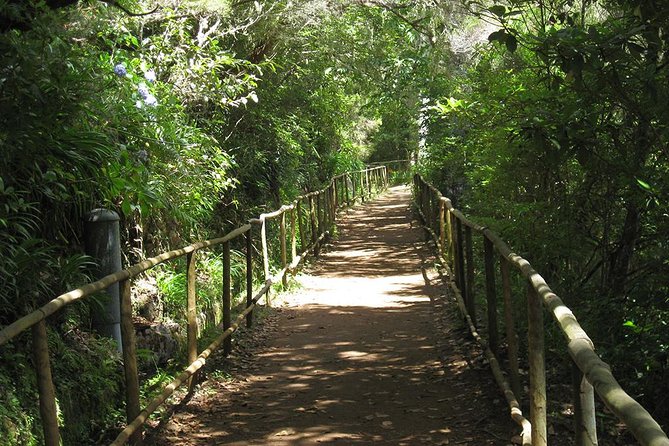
557,139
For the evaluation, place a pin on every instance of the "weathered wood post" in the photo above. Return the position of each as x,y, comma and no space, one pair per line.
282,235
102,241
510,326
491,296
337,190
442,227
346,180
132,406
265,256
319,215
227,295
293,231
300,223
369,183
471,298
354,181
312,217
449,232
585,421
47,394
459,258
191,315
249,275
362,186
535,334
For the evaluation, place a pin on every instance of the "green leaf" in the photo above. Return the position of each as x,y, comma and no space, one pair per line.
645,186
498,10
511,43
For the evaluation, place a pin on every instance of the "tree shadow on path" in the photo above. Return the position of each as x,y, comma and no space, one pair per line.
368,352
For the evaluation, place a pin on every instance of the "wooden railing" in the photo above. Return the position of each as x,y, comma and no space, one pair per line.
452,233
312,216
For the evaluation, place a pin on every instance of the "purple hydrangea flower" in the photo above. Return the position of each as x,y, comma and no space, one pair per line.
150,76
143,91
120,70
151,100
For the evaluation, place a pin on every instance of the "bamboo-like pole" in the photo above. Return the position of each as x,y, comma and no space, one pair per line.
132,407
460,259
337,190
585,422
300,224
354,186
293,238
191,314
227,297
369,183
319,214
47,394
346,180
314,231
449,232
471,298
536,357
282,235
362,186
510,327
249,277
442,228
265,248
491,296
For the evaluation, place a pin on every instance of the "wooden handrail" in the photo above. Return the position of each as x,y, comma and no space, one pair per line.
579,345
329,199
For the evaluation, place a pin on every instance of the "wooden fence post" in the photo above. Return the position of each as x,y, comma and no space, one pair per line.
442,227
335,205
585,421
354,181
362,186
300,225
346,180
471,299
312,217
249,275
132,407
459,258
535,334
319,213
227,317
369,183
191,314
47,394
449,232
282,235
265,248
491,297
510,326
293,239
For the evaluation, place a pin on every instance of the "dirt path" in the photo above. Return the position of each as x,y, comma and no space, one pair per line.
368,351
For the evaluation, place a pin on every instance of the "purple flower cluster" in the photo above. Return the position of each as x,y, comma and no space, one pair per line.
120,70
148,99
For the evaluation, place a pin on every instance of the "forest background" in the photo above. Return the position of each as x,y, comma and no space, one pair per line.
546,120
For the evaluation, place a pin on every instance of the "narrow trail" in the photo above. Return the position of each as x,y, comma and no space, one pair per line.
368,351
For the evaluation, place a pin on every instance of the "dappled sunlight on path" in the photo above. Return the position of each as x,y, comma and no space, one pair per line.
356,357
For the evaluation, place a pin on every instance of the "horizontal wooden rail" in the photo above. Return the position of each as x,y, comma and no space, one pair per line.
580,347
343,190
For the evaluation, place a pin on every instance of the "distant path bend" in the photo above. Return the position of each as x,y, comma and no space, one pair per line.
366,352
